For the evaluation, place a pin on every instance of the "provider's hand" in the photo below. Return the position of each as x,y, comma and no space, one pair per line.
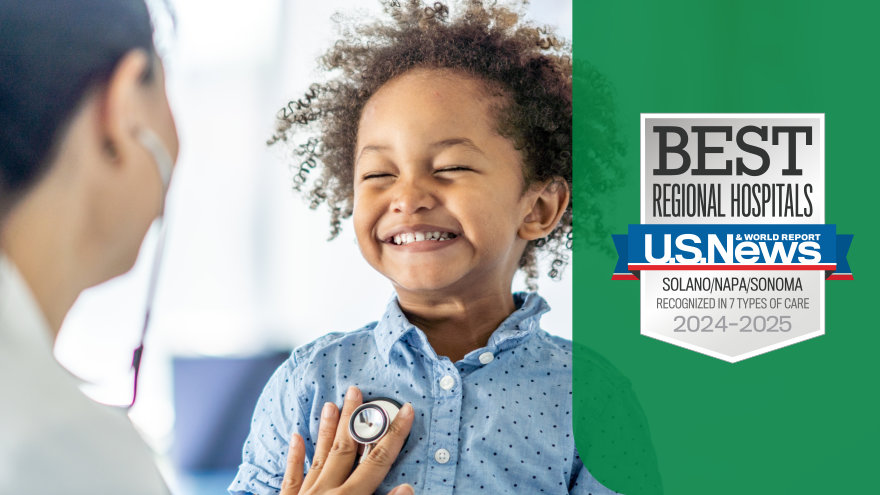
336,451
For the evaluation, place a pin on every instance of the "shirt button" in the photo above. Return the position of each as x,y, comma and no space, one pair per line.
441,456
487,357
446,383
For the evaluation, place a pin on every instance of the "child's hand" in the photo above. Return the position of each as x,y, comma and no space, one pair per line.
336,452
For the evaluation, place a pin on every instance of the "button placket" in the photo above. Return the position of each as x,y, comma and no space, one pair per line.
443,437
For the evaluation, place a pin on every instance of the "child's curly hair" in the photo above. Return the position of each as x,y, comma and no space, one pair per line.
529,65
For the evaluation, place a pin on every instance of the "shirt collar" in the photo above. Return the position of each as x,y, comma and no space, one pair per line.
525,320
21,320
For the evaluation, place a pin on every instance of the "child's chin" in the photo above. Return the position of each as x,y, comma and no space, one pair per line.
423,283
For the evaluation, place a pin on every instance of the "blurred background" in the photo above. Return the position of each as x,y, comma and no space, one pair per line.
247,273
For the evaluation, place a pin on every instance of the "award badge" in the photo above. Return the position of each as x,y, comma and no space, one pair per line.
732,252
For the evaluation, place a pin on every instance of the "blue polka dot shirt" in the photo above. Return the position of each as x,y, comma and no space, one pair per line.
498,421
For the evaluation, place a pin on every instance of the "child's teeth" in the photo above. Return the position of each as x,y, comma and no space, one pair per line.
408,237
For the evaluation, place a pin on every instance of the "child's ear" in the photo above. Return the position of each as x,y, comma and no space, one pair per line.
548,204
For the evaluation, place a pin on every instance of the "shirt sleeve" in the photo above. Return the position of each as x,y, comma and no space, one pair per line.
277,416
612,431
583,482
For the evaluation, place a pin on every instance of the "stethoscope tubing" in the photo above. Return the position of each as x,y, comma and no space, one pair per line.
151,294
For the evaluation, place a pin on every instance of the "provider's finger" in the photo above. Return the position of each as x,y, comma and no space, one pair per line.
326,433
404,489
293,475
344,450
375,465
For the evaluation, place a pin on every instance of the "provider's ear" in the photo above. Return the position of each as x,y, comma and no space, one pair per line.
123,105
550,199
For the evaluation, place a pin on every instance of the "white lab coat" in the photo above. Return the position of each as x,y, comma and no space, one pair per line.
54,439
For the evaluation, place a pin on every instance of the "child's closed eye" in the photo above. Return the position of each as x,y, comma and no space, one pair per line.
376,175
454,168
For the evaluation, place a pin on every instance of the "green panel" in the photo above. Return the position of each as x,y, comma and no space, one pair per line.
804,419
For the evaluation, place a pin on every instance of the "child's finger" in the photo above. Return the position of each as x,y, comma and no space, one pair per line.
344,450
375,465
326,433
293,475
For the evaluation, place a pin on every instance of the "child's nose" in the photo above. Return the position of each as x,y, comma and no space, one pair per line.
411,196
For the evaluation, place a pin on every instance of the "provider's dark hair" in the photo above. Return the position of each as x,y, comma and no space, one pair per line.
528,66
52,53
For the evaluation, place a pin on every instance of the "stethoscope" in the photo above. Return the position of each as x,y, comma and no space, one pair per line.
370,422
164,164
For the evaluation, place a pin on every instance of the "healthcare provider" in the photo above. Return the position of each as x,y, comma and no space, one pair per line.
85,128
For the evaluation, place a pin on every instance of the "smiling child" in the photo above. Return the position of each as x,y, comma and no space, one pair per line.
449,143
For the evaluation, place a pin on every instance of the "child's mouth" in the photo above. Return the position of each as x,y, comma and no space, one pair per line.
410,237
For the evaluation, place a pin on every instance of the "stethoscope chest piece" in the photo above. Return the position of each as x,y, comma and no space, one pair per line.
370,421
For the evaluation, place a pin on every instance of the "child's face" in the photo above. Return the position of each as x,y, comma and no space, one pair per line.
429,161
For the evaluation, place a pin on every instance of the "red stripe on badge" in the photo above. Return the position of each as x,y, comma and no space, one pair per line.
826,267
